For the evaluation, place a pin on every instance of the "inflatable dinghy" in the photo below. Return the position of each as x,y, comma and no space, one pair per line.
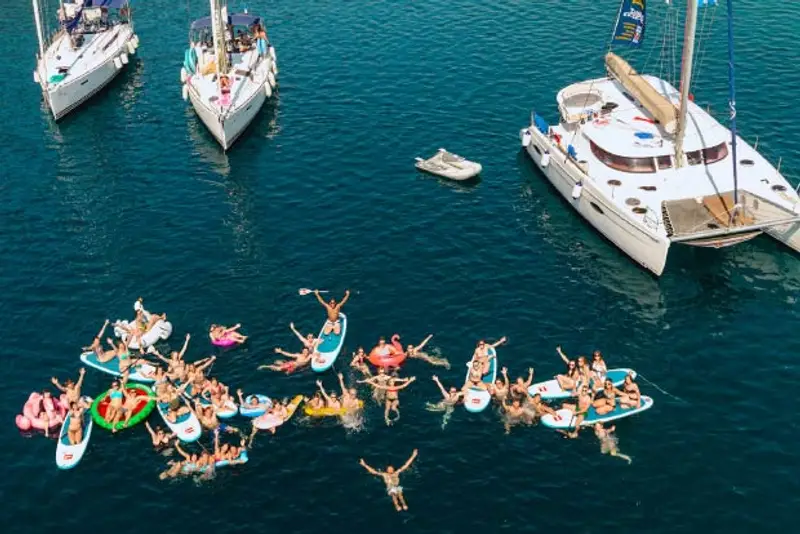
449,165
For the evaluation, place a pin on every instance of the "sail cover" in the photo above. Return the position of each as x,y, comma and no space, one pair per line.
238,19
654,102
630,24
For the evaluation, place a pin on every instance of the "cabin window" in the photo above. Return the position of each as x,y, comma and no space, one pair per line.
664,162
715,153
621,163
596,208
695,157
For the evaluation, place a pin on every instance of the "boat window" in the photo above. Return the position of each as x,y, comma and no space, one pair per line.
596,207
694,158
664,162
621,163
715,153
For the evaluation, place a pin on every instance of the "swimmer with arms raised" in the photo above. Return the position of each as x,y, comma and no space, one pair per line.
392,387
333,308
416,352
310,341
97,346
297,361
391,478
71,389
220,333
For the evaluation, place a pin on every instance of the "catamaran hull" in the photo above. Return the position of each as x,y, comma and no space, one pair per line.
226,131
64,98
646,248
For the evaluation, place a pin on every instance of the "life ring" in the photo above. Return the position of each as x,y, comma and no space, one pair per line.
557,139
394,358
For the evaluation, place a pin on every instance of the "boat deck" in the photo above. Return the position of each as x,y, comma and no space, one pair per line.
248,74
64,62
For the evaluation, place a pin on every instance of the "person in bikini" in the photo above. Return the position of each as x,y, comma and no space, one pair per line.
333,324
97,346
392,387
416,352
359,362
161,440
391,478
568,381
222,333
380,379
298,360
384,349
599,368
630,396
129,405
71,389
77,410
608,442
475,377
114,408
606,401
519,389
482,355
579,410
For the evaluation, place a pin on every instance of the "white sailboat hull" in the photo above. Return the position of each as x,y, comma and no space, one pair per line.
648,249
89,73
228,129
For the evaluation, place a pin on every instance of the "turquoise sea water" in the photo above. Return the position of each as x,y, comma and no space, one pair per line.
131,197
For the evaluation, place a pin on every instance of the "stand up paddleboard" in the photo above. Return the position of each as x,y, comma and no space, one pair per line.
264,404
565,419
550,390
268,421
476,400
141,372
226,411
241,459
330,347
186,426
68,455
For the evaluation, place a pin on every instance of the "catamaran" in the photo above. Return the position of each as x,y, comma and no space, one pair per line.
91,47
228,71
647,167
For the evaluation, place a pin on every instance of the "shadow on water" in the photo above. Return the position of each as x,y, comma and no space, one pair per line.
464,186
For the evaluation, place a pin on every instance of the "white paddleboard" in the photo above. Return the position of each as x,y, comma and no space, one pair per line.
186,427
476,399
67,455
565,419
330,347
143,372
550,389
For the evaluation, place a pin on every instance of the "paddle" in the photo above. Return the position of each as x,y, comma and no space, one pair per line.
305,291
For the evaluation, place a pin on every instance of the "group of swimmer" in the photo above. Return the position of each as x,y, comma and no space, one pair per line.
182,388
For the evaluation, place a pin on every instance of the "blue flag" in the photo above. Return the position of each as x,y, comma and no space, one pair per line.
630,25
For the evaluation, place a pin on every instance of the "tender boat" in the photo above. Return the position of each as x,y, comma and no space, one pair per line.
449,165
93,45
228,71
647,167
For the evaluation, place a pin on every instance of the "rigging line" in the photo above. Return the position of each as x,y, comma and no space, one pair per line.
701,42
704,50
667,393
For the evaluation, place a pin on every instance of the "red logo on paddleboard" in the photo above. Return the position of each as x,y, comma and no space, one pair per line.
190,430
557,417
542,388
68,456
476,400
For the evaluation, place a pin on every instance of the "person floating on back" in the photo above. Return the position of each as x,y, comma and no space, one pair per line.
334,324
391,478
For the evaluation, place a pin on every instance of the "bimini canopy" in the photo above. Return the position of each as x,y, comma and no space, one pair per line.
111,4
237,19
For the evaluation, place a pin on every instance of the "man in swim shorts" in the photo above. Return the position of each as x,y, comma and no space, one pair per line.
333,308
391,478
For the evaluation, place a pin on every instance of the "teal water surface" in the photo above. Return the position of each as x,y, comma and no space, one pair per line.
131,197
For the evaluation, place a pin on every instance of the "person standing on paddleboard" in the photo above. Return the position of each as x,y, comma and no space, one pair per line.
391,478
333,308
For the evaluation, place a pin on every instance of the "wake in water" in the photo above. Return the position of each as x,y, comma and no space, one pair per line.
353,422
441,407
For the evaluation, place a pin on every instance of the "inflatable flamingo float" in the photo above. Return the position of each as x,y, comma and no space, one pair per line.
389,355
42,412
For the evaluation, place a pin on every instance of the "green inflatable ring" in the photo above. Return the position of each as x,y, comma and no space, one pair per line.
142,409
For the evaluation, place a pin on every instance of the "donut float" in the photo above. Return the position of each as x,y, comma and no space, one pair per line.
391,355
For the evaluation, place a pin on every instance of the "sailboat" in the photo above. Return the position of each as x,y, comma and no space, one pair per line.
648,168
228,71
93,44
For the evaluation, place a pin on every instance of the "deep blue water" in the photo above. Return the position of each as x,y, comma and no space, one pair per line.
131,197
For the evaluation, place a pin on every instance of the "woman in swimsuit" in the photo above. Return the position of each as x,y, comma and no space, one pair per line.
393,387
71,389
599,368
500,389
75,429
220,333
569,381
359,362
381,379
161,440
416,352
297,361
631,397
607,401
475,376
519,389
114,409
96,345
482,353
129,405
585,399
585,375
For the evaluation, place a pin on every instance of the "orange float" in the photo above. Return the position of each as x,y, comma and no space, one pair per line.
390,355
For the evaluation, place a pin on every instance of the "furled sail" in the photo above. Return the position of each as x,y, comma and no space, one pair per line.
654,102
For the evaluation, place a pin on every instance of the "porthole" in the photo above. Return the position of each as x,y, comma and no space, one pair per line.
779,188
712,226
614,183
639,210
632,201
597,208
536,148
747,162
648,188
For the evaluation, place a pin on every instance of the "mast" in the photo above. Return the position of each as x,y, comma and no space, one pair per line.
686,77
732,105
39,30
218,33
